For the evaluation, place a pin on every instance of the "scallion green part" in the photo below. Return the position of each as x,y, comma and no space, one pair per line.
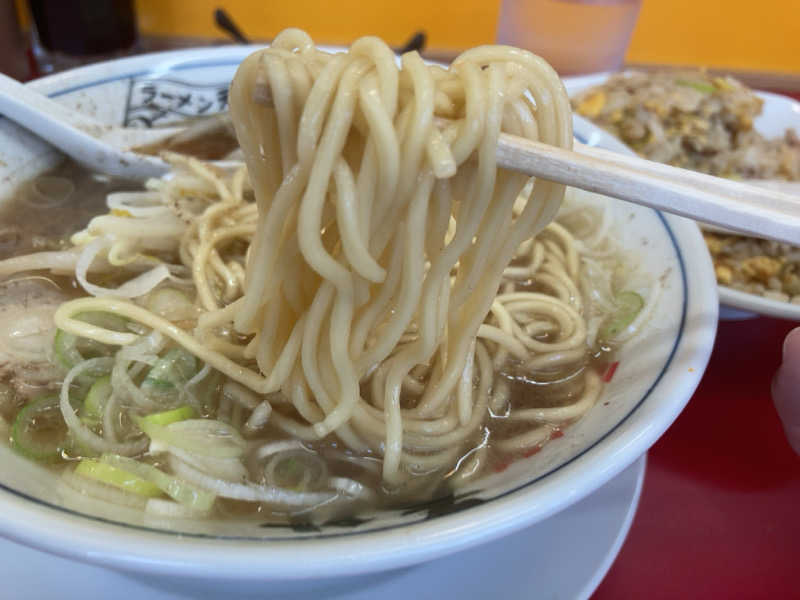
96,399
170,416
117,477
170,373
38,430
177,489
69,349
628,305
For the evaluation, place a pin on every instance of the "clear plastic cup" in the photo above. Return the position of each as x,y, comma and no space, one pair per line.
574,36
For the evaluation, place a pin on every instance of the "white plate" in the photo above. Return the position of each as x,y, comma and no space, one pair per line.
779,114
554,557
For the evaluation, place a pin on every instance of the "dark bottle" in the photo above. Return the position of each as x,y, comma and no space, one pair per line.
69,32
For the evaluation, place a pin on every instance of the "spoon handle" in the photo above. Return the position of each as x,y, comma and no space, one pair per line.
73,133
19,99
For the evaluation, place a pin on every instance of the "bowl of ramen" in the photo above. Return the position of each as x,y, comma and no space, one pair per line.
717,125
334,340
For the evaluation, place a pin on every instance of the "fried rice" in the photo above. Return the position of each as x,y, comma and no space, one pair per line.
698,121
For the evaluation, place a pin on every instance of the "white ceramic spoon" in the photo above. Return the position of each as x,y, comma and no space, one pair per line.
98,146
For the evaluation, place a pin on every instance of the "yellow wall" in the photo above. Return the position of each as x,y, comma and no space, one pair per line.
450,24
735,34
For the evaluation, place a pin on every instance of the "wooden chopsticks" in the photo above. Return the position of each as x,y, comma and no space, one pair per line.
725,203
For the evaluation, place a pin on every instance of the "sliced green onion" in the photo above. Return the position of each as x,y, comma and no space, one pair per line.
67,351
171,304
39,431
205,437
117,477
229,469
700,86
94,406
628,305
291,473
177,489
170,416
170,373
64,349
206,392
90,494
172,510
70,349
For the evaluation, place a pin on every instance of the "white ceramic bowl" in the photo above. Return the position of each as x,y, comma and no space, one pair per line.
779,113
658,373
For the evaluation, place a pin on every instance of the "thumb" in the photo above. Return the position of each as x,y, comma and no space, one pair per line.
786,389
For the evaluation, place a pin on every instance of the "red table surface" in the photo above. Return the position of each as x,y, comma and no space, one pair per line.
719,515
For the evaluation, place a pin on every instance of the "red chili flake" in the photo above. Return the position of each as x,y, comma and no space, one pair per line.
612,368
500,467
531,451
557,433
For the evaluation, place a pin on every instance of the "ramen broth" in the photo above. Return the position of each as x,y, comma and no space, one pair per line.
47,210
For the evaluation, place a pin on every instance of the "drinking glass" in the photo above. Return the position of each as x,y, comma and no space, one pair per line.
574,36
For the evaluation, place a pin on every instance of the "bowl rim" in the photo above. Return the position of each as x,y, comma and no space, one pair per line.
131,548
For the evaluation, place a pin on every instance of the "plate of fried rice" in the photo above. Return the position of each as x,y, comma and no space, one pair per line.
717,125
